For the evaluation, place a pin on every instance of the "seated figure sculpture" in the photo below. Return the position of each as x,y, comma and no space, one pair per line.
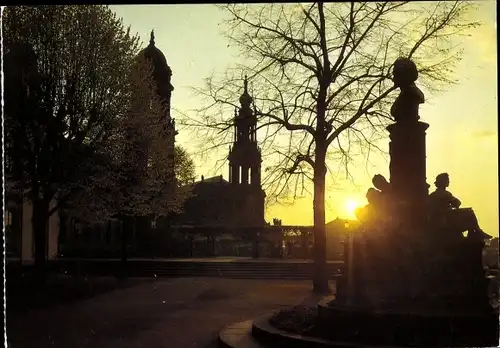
383,186
442,199
379,200
369,212
446,211
386,199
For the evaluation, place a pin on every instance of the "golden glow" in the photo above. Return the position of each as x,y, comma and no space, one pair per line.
463,119
350,207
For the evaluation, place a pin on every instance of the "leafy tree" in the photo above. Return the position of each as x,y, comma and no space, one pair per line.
80,121
138,173
149,136
135,172
184,167
321,76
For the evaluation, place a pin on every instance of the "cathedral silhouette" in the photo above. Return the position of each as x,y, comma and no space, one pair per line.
216,201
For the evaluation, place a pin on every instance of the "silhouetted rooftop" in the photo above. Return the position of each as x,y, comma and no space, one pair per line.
213,180
155,55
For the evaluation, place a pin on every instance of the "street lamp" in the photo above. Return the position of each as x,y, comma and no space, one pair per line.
350,267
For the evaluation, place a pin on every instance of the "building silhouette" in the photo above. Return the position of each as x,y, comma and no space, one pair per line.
162,76
238,201
245,162
97,239
162,86
215,202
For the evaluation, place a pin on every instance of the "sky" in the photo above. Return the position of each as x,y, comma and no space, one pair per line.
461,140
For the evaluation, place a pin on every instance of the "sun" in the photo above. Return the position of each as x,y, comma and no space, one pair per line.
350,207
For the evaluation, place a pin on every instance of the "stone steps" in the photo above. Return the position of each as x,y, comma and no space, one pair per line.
239,270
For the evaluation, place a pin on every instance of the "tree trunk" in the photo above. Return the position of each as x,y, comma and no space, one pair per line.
63,230
213,246
124,240
39,221
320,278
108,235
256,246
305,244
190,241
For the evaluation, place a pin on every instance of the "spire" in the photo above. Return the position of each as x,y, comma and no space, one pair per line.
245,83
152,40
245,99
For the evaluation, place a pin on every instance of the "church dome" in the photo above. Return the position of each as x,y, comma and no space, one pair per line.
161,71
153,54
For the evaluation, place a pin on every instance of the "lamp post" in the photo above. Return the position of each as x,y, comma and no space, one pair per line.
350,268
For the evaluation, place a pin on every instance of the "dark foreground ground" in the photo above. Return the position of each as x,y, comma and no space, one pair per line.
178,312
25,295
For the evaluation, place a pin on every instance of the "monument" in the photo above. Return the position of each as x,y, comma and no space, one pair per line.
413,278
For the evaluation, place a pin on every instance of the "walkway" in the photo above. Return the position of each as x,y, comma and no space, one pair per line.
180,313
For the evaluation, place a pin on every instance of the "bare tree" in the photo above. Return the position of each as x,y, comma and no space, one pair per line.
321,77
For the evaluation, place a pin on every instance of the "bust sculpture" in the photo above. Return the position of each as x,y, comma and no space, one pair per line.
405,108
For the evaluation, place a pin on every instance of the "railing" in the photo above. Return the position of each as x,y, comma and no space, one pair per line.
208,241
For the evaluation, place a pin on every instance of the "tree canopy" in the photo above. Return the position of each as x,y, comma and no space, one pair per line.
75,63
84,125
184,167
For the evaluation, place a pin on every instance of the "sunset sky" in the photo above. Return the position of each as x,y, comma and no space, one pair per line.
461,140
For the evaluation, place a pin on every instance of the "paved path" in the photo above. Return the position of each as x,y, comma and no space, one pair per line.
169,313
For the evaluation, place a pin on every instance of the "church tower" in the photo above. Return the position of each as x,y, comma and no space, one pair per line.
244,156
162,75
245,165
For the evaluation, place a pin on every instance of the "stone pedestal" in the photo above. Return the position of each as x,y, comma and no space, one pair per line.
410,283
434,274
408,161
